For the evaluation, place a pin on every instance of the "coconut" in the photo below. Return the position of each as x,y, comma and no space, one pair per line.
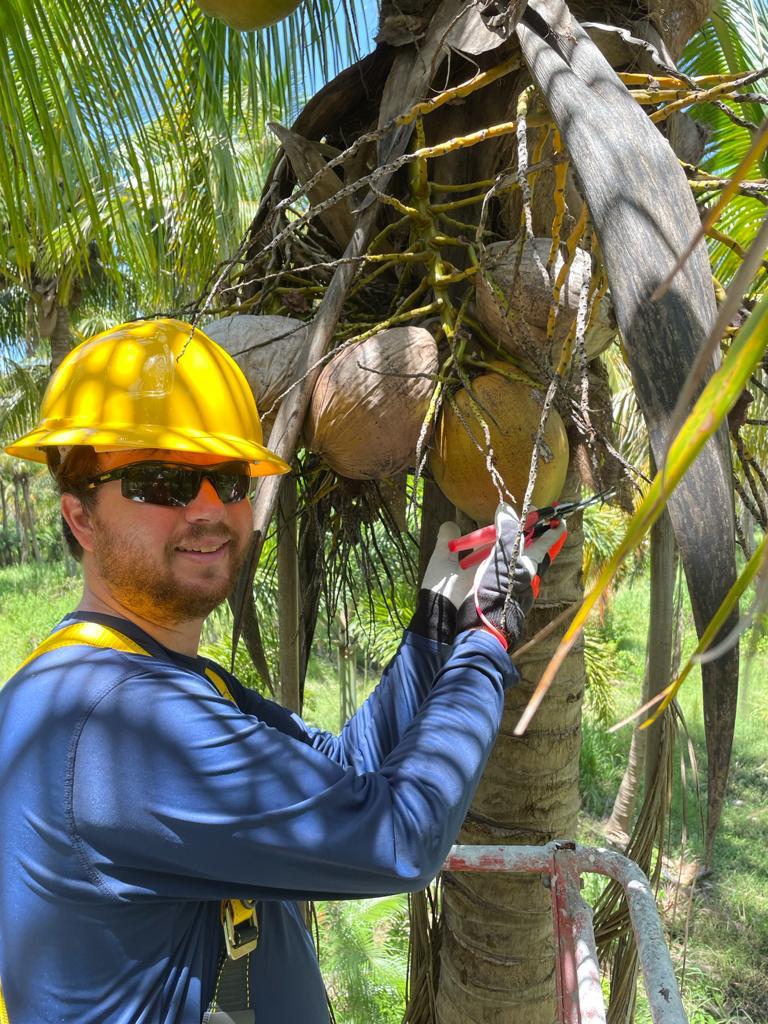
507,293
270,350
511,409
248,14
370,401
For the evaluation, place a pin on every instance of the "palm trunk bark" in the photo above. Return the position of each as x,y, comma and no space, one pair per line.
288,596
61,336
29,517
661,631
6,546
619,826
20,524
497,963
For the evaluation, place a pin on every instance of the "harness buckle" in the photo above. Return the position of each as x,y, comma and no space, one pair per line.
241,927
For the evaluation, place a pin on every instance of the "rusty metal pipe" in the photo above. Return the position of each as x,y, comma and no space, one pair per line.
561,863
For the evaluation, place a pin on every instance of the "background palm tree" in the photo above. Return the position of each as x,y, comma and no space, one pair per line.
134,143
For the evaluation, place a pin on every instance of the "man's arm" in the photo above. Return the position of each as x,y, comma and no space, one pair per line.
379,724
177,794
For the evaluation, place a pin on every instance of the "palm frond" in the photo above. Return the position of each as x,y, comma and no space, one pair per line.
21,388
139,128
732,40
13,316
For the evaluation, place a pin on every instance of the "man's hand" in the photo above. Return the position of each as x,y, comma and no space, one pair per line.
505,585
443,590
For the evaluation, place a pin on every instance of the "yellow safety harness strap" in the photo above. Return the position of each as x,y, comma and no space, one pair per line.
241,931
3,1011
92,634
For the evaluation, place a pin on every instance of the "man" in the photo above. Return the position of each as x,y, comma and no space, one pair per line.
144,790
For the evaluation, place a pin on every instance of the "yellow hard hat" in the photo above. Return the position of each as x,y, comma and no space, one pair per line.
151,384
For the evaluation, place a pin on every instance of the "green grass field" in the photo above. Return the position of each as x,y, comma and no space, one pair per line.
718,934
32,600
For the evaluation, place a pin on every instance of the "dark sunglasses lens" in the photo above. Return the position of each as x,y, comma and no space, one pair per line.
161,485
177,486
230,485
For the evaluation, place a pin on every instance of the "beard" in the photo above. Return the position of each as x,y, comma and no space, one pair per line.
149,586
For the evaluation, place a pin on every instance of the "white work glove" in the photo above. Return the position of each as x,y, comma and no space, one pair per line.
506,584
443,590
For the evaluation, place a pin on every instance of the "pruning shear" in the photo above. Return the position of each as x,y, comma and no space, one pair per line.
537,522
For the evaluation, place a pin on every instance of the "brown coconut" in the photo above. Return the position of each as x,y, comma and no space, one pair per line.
367,408
507,292
512,411
270,350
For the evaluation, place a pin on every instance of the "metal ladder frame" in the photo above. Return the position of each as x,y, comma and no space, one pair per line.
579,992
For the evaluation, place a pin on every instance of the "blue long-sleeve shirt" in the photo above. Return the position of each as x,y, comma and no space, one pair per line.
135,798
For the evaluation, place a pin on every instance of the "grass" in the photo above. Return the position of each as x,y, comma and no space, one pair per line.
32,600
721,950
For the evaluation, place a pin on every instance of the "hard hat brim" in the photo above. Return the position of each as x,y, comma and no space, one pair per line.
261,460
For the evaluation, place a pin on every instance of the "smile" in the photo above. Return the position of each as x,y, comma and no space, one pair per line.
203,549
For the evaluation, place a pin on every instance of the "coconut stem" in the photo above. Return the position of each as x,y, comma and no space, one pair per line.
570,245
560,175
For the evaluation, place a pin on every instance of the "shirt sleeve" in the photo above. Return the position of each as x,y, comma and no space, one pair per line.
176,793
377,726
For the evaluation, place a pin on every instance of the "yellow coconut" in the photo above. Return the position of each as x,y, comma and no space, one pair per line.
513,297
270,350
248,14
512,411
370,401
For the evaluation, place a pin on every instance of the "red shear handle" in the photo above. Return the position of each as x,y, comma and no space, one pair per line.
506,583
537,522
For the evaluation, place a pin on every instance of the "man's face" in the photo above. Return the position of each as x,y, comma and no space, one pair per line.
168,564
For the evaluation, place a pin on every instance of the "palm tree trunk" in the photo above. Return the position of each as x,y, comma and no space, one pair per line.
3,499
29,517
288,596
346,669
61,336
619,826
497,962
20,525
661,631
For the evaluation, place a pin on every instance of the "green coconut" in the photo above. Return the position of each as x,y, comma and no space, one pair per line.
512,410
248,14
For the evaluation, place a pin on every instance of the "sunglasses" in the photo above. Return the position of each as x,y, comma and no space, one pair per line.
176,484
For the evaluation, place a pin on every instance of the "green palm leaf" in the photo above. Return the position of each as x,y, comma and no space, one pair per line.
734,39
137,128
21,388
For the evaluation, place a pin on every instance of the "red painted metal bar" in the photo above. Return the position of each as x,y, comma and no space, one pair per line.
578,976
581,999
566,968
